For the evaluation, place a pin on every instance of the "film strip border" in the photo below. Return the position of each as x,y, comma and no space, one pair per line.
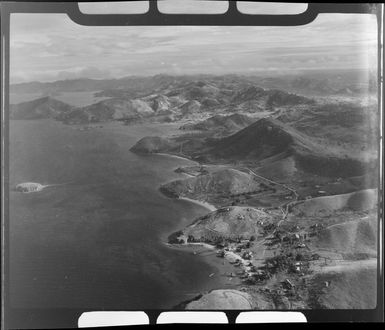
232,17
68,318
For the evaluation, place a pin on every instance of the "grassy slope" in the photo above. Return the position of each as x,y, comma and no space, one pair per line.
321,206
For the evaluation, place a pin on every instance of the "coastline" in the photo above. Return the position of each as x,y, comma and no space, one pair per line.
175,156
230,256
220,276
206,205
190,244
223,272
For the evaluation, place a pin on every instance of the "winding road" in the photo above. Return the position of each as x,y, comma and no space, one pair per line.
284,207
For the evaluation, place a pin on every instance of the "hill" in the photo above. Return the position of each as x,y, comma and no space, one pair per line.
190,107
222,182
110,109
351,286
280,98
158,103
227,223
362,200
229,124
342,122
42,108
153,144
268,141
265,138
253,98
351,237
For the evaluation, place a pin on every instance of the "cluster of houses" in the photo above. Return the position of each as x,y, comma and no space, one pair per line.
315,229
294,259
241,257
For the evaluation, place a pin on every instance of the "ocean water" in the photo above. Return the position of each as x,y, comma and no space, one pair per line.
98,240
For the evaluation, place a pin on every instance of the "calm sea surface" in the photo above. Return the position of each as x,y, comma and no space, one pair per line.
97,241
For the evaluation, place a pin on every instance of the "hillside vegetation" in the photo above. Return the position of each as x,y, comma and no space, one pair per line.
362,200
228,223
223,182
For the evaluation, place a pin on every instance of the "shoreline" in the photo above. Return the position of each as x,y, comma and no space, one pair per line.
175,156
206,205
230,256
223,274
190,244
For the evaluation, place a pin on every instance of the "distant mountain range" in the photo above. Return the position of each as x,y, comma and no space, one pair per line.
165,98
324,82
162,99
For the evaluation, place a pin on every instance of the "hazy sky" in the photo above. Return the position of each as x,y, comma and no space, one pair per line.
47,47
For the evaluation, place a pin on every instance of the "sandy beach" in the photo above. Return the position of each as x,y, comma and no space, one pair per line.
175,156
210,207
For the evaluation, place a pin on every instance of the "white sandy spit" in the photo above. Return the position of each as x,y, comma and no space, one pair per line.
208,206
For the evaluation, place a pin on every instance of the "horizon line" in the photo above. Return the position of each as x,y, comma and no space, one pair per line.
250,74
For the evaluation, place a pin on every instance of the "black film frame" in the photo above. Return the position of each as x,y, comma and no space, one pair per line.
67,318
